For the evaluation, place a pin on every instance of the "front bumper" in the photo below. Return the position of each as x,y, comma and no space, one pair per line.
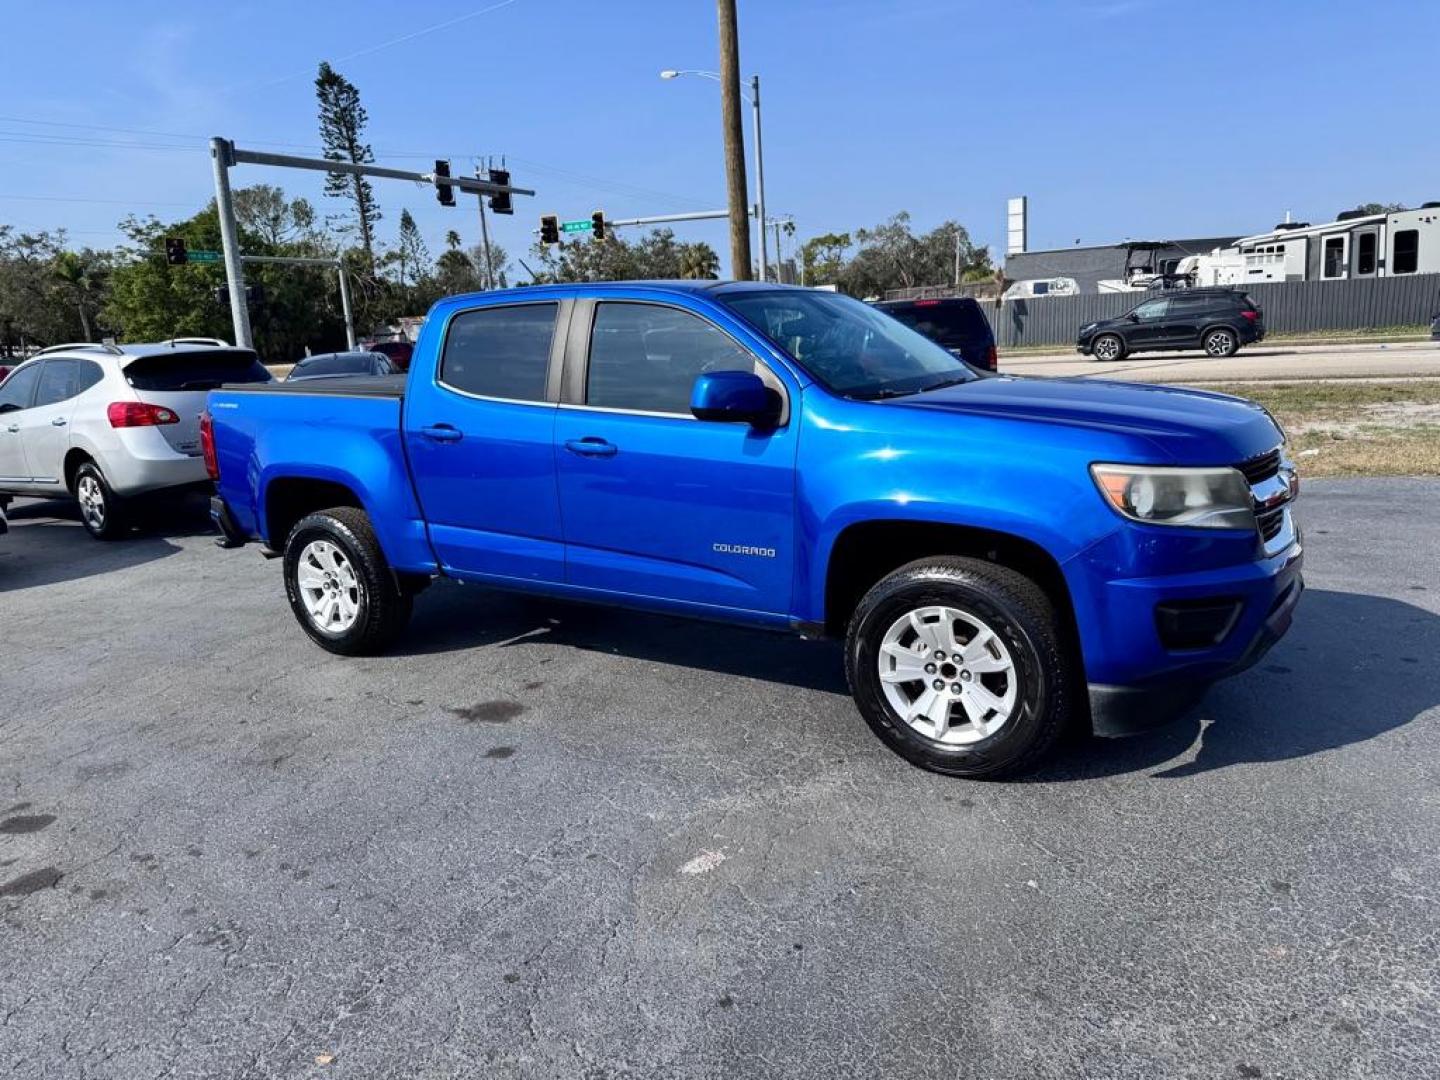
1144,669
1126,710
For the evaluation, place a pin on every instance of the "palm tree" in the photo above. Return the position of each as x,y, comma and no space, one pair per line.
699,261
452,240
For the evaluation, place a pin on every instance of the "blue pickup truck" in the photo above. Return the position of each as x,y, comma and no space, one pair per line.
1002,557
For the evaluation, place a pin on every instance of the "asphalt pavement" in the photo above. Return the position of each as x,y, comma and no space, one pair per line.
1410,359
545,840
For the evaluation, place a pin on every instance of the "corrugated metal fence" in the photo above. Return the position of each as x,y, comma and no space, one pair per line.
1289,306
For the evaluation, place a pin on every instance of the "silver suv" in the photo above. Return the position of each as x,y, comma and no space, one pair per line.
106,424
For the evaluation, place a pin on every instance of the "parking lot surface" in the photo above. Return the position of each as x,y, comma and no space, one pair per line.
544,840
1411,359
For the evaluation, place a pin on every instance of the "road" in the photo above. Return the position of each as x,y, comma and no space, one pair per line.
1407,359
544,840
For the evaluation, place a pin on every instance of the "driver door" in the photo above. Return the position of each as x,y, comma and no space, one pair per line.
1150,327
655,503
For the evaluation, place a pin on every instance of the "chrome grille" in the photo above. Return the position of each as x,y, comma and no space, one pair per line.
1270,522
1261,468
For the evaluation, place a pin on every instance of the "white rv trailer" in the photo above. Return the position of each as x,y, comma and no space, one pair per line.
1355,245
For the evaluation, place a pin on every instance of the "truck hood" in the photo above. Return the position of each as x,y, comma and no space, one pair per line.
1194,427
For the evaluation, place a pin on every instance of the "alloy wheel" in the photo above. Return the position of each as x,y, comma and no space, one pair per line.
92,502
329,586
948,675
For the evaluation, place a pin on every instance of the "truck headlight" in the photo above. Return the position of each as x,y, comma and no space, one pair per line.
1197,498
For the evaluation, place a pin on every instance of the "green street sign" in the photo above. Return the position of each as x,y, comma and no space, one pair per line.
204,256
565,226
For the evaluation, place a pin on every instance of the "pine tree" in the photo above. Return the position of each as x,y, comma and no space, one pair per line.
413,253
342,134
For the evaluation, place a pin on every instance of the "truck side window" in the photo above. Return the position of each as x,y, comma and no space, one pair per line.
645,357
500,352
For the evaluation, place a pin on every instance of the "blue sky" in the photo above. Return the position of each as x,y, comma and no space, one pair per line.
1119,118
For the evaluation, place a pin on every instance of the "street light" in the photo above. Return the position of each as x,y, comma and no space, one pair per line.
754,98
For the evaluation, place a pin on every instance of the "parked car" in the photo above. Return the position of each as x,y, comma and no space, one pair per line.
337,364
956,322
988,547
4,522
107,425
1219,321
399,352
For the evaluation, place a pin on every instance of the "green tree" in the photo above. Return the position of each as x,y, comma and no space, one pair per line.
150,300
452,240
891,256
1380,208
82,277
656,255
823,257
342,135
411,251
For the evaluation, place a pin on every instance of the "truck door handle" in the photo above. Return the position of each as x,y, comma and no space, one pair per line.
13,428
442,433
59,421
591,447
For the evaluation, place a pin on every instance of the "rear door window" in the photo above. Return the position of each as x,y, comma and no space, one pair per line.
59,381
191,369
500,352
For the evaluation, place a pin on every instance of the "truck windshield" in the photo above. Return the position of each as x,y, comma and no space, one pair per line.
851,348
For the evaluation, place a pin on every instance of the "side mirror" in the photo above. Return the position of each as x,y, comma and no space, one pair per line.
737,397
1133,317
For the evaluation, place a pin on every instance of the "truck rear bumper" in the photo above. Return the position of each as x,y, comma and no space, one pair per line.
1127,710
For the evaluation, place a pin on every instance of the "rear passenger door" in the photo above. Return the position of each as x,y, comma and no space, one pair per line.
1183,320
657,503
481,441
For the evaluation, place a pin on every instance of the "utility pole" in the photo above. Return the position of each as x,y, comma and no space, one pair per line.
957,258
760,179
734,140
485,239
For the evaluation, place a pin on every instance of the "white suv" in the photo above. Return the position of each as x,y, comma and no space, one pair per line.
106,424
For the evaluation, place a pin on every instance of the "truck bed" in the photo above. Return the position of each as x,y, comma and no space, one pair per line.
389,386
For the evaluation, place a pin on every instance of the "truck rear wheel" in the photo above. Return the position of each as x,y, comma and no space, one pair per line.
958,665
340,586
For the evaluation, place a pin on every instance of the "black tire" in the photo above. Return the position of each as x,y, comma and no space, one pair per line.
102,512
1119,345
1219,342
1025,621
384,608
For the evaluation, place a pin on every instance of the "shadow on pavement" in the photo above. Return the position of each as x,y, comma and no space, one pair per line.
47,544
451,617
1351,668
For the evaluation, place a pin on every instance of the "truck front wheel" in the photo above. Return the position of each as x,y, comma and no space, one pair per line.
339,583
959,666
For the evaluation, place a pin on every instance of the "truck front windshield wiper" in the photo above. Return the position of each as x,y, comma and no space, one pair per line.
881,393
949,382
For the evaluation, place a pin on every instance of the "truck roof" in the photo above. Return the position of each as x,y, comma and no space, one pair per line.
678,286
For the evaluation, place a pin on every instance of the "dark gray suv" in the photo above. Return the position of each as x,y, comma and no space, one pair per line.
1218,321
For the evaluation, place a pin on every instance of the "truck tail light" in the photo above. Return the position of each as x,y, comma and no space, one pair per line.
207,446
125,414
992,359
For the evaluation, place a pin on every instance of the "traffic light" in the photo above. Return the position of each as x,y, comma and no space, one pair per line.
549,229
222,296
175,253
444,192
500,202
597,224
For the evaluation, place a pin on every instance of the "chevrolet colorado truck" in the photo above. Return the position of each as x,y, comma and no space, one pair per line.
1001,556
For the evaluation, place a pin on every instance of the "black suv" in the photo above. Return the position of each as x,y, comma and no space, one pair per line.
955,322
1216,320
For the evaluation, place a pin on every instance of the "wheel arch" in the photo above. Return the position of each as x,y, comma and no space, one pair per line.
287,499
74,458
866,551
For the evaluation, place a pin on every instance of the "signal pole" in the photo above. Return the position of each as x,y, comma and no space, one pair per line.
222,156
734,140
485,239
